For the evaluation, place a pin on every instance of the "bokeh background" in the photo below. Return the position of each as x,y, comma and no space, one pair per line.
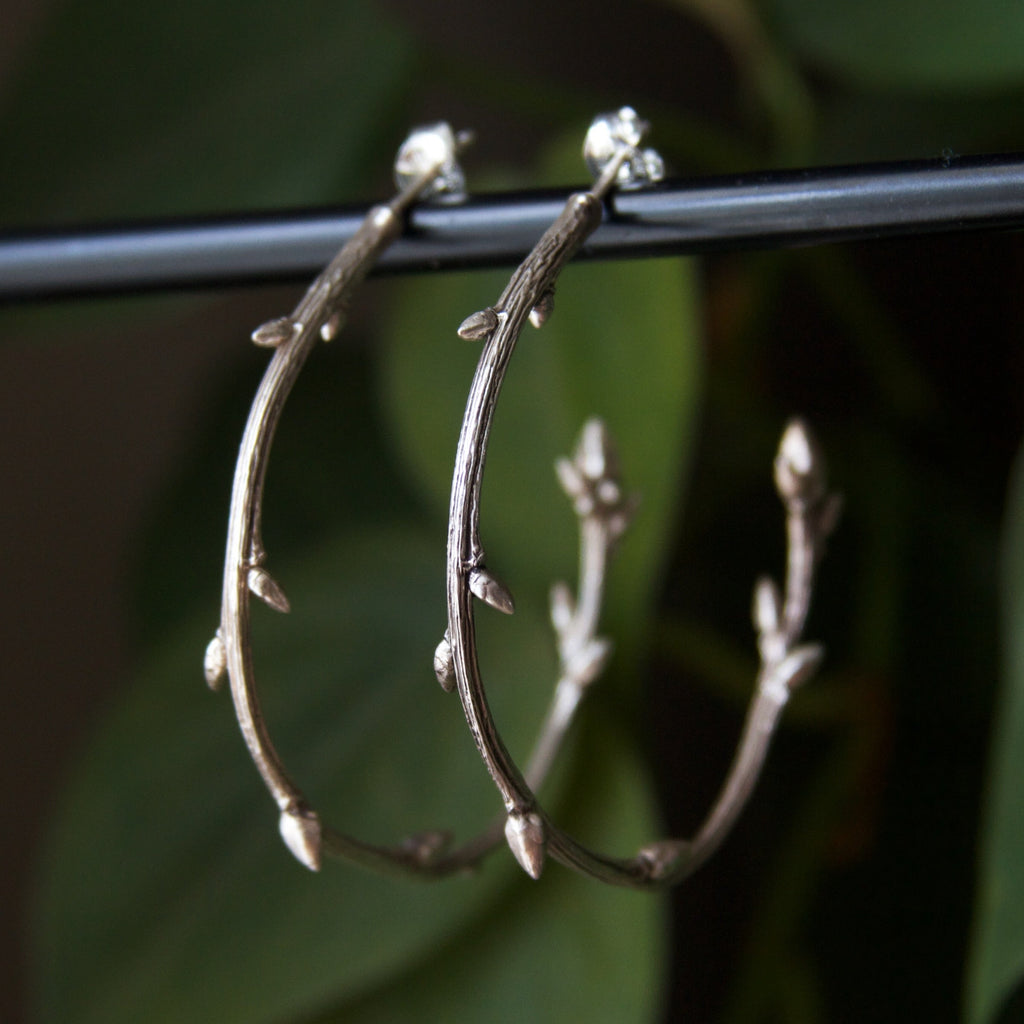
875,876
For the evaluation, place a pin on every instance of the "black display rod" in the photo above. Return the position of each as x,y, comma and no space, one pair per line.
682,216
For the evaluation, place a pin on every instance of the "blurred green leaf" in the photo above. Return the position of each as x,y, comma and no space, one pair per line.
166,857
126,109
561,949
623,344
329,470
914,45
997,957
166,885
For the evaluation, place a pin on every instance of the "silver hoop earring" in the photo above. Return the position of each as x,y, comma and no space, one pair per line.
612,152
426,167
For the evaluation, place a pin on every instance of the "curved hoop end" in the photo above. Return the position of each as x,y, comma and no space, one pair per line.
302,833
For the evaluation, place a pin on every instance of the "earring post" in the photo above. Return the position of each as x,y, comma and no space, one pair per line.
769,209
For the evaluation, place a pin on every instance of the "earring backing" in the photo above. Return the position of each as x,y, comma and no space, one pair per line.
612,152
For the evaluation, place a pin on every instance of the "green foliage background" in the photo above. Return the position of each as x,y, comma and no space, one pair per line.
877,876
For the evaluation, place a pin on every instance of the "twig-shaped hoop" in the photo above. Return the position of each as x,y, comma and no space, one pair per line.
612,152
426,166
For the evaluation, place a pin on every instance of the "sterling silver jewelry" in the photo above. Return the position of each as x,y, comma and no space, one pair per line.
613,155
426,166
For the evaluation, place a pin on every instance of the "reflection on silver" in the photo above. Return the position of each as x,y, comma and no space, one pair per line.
591,481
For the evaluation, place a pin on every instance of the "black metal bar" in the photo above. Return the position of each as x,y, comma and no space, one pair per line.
775,208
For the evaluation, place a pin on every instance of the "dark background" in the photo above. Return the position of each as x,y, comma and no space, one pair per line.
857,860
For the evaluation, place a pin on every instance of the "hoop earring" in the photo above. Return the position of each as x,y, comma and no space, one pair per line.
613,155
426,167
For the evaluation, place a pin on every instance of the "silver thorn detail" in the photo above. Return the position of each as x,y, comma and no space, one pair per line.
444,666
524,833
301,831
489,589
330,327
767,610
267,589
540,313
799,466
275,333
478,326
799,665
215,661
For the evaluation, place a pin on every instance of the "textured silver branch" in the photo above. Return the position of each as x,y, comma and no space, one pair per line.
426,165
591,481
612,152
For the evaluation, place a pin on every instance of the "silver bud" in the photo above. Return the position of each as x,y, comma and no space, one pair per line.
799,665
589,662
267,589
300,829
594,453
489,589
570,477
563,608
330,327
525,836
215,661
544,308
275,332
767,610
799,466
444,665
478,326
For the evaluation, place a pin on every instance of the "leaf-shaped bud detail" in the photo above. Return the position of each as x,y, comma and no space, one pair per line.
799,665
275,332
300,829
215,661
267,589
444,665
619,520
767,609
589,662
544,308
594,453
563,608
608,492
799,466
330,327
570,478
478,326
491,590
525,836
